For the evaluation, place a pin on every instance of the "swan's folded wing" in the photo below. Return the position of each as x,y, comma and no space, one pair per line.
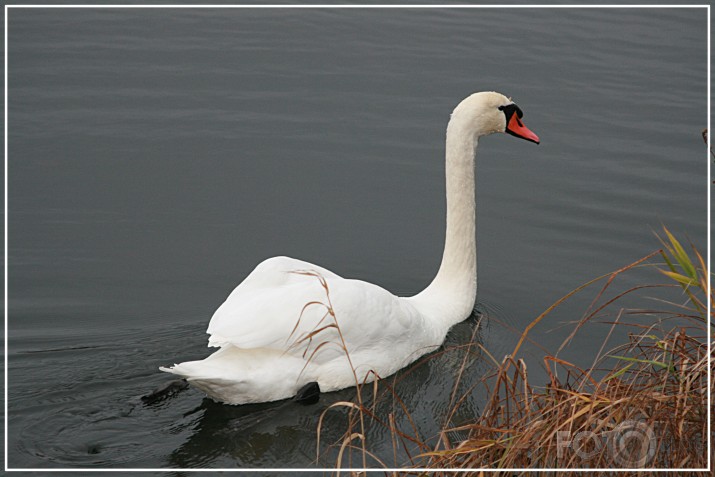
275,307
264,309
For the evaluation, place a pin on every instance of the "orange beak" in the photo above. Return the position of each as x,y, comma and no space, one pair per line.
517,128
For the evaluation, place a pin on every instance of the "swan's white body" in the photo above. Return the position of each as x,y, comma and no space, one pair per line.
267,329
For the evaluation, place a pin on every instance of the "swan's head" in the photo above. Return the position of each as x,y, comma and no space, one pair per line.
490,112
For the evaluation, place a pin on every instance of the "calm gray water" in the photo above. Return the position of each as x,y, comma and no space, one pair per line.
156,156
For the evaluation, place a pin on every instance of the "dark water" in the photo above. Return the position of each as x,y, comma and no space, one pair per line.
156,156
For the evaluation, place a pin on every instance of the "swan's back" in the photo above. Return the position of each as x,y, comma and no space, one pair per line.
275,333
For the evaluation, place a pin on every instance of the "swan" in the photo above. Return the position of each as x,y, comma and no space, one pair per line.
294,329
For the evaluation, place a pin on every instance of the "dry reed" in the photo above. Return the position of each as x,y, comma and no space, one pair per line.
641,404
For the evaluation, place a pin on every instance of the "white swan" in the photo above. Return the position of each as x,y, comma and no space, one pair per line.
264,327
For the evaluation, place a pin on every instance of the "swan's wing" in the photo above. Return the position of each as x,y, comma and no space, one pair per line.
260,308
282,302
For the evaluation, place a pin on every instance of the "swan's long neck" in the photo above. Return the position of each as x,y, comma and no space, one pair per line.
451,295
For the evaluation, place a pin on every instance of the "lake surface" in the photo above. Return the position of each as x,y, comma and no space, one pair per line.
155,156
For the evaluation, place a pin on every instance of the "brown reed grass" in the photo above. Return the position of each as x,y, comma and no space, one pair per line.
641,404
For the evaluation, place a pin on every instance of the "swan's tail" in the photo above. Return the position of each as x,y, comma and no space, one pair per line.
240,376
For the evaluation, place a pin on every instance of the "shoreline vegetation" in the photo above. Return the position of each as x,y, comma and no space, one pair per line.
641,404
